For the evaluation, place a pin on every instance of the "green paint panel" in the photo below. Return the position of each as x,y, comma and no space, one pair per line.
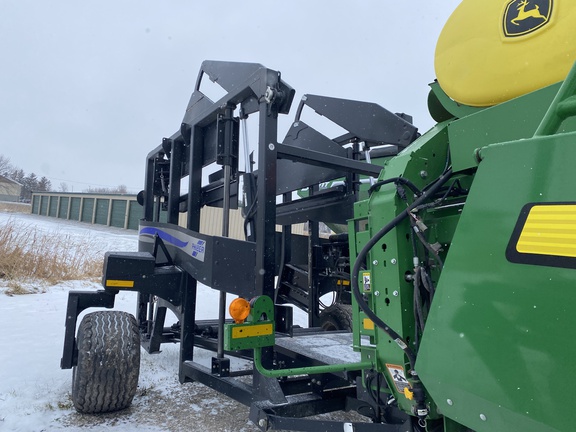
35,204
136,212
75,208
87,210
497,350
44,205
118,215
391,294
102,206
498,340
53,206
258,341
513,120
257,331
63,210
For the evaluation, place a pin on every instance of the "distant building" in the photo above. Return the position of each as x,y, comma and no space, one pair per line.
10,190
123,211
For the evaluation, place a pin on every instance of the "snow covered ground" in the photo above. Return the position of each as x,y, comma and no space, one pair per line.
35,392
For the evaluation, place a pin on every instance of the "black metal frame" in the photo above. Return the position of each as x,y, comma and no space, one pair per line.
165,274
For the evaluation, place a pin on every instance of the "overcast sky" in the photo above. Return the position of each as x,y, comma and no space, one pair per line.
88,88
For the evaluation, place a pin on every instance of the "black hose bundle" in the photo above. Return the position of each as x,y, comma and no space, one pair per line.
429,192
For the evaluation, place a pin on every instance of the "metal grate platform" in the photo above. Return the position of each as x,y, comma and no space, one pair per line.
329,348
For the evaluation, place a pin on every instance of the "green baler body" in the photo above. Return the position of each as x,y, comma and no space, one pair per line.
497,350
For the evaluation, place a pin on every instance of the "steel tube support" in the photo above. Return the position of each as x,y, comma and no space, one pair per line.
225,233
279,373
562,107
175,175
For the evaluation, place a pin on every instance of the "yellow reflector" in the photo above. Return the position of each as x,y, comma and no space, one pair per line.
251,331
239,310
368,324
114,283
549,230
408,393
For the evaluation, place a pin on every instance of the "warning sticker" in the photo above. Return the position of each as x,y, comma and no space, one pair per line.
366,284
398,376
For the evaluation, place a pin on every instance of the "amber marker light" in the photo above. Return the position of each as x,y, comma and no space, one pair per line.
239,310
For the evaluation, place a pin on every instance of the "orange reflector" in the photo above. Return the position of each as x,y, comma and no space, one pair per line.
239,310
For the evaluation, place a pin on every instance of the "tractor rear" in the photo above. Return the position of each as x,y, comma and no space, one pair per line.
449,268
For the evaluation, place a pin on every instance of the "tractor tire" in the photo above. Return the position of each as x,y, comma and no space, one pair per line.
106,375
336,317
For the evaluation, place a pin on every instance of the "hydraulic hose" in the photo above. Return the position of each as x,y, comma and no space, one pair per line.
430,191
395,180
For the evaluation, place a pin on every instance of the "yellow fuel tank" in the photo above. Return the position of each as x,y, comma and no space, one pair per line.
491,51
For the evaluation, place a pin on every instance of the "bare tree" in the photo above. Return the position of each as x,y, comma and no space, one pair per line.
5,166
29,182
17,174
121,189
63,187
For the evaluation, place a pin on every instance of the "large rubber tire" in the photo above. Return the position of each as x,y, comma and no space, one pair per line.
336,317
106,376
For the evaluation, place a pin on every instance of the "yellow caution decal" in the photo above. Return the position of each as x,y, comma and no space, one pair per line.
247,330
545,234
398,377
366,282
115,283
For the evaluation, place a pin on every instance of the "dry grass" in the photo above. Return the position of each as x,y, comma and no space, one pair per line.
30,258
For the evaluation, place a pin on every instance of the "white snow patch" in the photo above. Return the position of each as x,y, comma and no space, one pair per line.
35,392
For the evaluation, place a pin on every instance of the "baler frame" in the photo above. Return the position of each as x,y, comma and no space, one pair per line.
172,259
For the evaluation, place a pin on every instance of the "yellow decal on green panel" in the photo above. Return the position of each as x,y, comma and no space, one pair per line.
549,230
545,234
248,330
368,324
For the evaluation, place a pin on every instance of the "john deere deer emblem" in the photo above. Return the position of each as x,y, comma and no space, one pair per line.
525,16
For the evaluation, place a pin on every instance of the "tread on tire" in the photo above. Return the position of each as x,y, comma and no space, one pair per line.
337,317
105,378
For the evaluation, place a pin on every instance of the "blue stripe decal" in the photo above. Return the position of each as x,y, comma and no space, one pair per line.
164,236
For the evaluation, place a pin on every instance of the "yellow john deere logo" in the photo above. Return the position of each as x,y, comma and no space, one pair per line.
525,16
